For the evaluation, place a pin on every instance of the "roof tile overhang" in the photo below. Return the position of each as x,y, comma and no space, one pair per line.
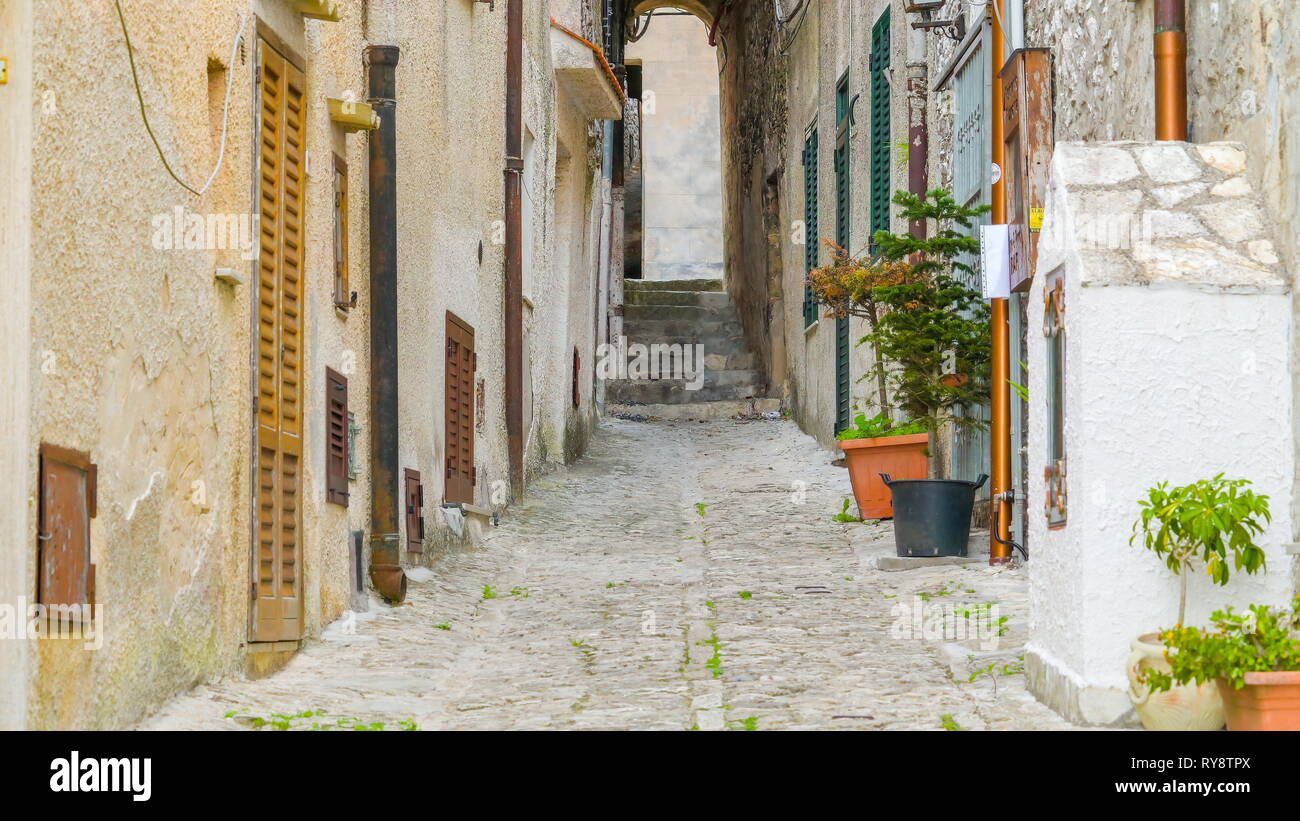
582,71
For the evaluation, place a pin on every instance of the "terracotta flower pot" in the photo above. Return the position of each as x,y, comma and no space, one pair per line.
955,380
1182,707
1269,701
902,457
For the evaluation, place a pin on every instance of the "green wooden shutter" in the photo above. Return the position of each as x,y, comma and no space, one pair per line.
812,240
842,216
880,125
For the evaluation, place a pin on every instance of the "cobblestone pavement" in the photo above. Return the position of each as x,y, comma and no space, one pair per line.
682,575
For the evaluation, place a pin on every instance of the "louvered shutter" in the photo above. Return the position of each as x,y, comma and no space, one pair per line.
460,365
277,587
880,124
812,241
336,437
842,214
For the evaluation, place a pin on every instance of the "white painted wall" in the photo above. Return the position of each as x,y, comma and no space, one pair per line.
1166,380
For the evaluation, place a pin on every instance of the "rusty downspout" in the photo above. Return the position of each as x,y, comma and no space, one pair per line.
1000,401
514,284
1171,69
385,532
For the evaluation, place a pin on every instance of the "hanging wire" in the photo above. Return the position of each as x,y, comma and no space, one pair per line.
225,114
633,33
788,41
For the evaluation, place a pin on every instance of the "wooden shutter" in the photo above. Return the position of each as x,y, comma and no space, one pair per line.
277,586
880,124
577,377
342,294
842,215
812,241
67,490
413,496
336,437
460,367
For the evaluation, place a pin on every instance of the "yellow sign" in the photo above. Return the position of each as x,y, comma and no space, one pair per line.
4,70
1036,219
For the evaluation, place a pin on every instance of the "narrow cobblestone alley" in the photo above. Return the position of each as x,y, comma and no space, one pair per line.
657,584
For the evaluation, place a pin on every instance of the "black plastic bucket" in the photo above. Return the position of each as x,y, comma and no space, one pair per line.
932,516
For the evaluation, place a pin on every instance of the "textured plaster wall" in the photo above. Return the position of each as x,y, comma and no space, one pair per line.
139,357
681,151
1184,326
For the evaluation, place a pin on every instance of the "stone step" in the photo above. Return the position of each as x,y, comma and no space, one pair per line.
737,385
682,313
704,299
640,330
714,345
672,285
696,410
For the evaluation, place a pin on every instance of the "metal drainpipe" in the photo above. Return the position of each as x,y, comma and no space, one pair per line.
1171,69
514,284
1000,400
385,498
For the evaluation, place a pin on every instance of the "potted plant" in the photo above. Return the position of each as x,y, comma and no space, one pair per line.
875,446
1253,658
1211,523
930,338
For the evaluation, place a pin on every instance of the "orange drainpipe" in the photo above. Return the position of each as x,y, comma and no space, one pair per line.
1000,401
1171,69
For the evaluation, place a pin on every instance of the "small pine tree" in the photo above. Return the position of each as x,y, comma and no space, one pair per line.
930,332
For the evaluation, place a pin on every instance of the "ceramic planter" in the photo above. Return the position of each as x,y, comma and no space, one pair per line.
1183,707
1269,701
902,457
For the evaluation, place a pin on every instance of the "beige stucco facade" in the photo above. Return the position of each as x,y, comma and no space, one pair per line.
138,356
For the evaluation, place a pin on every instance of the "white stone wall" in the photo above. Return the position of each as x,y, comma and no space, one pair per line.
1177,328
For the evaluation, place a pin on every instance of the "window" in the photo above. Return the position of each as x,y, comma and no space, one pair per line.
336,437
343,298
459,440
67,485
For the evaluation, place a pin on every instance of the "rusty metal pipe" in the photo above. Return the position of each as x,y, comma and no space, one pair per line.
514,273
385,497
1000,401
1171,69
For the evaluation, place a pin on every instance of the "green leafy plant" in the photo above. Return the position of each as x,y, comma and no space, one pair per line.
949,723
444,626
746,595
1205,522
1264,639
489,592
844,515
925,323
877,426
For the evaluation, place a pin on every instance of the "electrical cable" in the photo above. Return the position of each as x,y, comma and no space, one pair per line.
225,114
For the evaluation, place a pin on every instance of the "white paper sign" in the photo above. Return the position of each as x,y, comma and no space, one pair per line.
995,262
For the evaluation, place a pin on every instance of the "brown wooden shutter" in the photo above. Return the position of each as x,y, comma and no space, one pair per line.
67,489
336,437
342,294
277,587
460,366
577,377
413,494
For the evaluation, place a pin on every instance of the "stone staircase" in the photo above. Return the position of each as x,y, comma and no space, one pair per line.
687,313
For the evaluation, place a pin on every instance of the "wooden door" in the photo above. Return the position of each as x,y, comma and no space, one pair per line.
460,366
277,571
